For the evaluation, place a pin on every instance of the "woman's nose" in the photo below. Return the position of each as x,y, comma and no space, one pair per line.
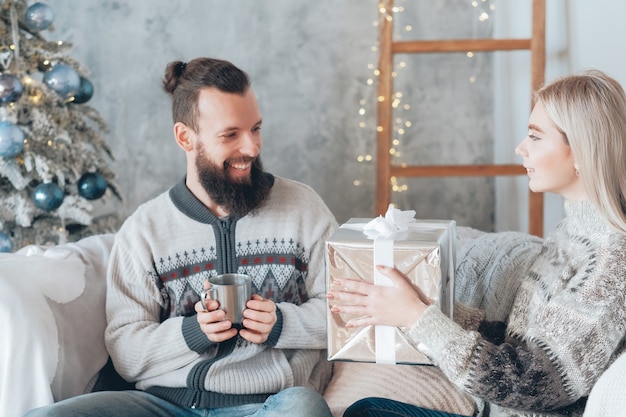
520,150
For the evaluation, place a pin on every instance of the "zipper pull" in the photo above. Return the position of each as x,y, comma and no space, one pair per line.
225,224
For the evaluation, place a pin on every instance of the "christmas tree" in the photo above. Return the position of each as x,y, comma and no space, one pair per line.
54,162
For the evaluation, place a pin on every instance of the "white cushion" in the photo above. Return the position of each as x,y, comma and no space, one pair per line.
607,395
53,320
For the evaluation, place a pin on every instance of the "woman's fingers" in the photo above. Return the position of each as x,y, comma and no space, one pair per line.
400,304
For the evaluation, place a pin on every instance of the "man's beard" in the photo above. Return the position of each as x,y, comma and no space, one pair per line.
240,197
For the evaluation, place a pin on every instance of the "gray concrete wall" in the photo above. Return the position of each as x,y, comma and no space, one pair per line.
308,61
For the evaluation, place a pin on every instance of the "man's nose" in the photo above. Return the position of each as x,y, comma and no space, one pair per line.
251,144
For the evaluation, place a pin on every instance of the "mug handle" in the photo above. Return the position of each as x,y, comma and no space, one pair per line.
204,295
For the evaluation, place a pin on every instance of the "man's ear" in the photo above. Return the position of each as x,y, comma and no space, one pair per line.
183,135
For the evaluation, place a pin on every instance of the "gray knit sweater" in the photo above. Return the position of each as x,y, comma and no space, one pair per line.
160,259
566,325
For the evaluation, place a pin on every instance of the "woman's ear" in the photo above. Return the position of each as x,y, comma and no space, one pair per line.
183,135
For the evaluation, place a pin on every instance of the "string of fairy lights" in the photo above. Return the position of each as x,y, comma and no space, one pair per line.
403,120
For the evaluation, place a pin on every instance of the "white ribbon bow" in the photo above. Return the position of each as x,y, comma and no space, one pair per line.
395,221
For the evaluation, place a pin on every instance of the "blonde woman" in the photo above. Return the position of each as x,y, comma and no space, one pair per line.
568,321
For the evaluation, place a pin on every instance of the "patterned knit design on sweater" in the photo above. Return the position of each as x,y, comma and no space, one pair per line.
278,269
566,325
488,270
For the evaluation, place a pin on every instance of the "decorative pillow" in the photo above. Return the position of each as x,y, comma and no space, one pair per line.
53,320
607,395
425,386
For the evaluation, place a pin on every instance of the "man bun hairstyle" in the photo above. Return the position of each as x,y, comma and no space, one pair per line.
183,81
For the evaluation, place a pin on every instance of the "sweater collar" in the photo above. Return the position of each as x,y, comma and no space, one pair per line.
584,217
188,203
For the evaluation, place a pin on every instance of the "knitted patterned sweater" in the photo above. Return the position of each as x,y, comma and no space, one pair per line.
162,255
566,325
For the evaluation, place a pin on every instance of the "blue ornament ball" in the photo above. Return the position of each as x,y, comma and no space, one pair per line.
10,88
92,186
63,79
6,245
48,196
11,140
85,91
39,16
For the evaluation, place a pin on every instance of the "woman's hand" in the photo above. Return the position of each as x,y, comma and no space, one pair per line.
401,304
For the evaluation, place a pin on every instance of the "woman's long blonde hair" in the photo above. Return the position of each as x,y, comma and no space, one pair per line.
589,109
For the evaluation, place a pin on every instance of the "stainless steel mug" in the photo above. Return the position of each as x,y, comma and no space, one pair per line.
232,291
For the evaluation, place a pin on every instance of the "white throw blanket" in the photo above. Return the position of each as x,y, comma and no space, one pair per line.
49,296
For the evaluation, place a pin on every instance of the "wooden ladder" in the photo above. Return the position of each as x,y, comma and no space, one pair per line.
388,48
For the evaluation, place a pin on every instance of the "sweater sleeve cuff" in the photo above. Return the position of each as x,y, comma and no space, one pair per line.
194,336
276,330
435,331
468,318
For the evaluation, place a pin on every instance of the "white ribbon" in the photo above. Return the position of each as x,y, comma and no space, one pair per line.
384,336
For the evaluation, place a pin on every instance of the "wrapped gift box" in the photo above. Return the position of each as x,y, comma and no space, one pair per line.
423,250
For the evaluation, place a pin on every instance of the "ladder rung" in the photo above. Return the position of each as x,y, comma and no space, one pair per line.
460,45
456,170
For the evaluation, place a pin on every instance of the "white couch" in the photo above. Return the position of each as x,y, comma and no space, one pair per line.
52,347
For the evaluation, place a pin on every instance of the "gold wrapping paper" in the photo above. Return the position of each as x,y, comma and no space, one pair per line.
426,254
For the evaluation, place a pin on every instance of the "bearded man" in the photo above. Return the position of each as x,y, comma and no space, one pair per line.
226,216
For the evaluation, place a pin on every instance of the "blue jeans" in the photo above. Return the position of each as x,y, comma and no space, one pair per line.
291,402
384,407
